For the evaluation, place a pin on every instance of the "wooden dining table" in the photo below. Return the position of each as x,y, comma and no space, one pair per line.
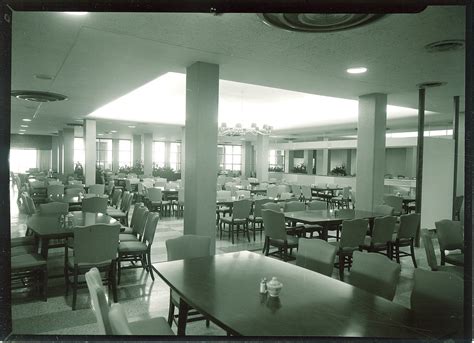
46,227
329,218
225,289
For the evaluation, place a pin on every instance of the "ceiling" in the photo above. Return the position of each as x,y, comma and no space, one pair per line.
100,57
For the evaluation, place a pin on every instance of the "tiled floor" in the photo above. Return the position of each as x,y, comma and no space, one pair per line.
140,296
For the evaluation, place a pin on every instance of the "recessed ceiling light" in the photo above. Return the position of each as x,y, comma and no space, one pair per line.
21,133
357,70
22,130
24,125
113,131
76,13
26,119
79,120
132,126
43,77
100,134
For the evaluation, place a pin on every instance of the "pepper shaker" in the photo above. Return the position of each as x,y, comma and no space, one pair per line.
263,286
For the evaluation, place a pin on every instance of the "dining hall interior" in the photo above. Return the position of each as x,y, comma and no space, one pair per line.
238,174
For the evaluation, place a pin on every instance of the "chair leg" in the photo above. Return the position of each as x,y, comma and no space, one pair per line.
207,323
112,280
246,226
119,270
412,250
253,227
74,289
285,253
170,312
150,269
231,230
397,252
341,267
45,283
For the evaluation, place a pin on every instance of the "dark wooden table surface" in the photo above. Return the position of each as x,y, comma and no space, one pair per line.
327,218
225,288
46,227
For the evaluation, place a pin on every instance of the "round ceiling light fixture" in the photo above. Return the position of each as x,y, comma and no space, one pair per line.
131,126
37,96
318,22
76,13
356,70
431,84
43,77
445,45
26,119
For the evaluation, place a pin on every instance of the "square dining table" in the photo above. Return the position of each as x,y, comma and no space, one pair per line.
225,289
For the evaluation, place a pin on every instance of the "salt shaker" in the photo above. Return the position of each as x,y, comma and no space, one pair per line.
263,286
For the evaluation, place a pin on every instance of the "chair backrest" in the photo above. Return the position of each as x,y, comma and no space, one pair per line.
252,179
283,189
296,190
53,190
30,205
245,183
375,273
181,195
116,196
54,208
128,185
291,206
270,205
155,194
140,221
306,191
317,205
286,195
316,255
171,185
188,246
458,202
75,182
321,185
272,191
344,212
74,191
384,209
394,201
437,294
429,249
37,184
346,192
96,189
110,187
257,211
131,176
126,202
118,321
332,185
274,224
353,233
243,193
408,225
96,243
223,195
94,205
241,209
135,213
450,234
150,227
99,301
383,229
263,185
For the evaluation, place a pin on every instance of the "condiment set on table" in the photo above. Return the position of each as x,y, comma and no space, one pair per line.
273,287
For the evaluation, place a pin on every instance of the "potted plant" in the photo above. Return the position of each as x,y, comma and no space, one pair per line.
276,169
339,171
299,169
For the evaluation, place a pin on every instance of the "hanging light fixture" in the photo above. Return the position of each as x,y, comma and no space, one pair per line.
239,130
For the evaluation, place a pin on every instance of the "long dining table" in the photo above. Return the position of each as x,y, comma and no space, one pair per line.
329,218
225,289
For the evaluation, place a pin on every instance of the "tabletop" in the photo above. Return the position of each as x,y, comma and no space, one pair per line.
48,225
322,216
74,199
226,289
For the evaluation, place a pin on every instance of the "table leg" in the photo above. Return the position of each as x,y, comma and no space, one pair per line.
44,247
325,232
182,317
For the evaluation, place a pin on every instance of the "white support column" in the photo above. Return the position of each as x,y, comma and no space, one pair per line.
60,152
167,153
90,151
262,158
326,161
202,98
68,151
247,151
115,155
371,150
308,161
137,149
461,156
183,155
54,153
148,154
410,170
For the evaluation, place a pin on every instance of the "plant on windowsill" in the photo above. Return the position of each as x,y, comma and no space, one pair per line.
339,171
276,169
78,170
137,167
125,169
166,173
299,169
99,176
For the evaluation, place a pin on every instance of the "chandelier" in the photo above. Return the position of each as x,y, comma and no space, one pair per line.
238,130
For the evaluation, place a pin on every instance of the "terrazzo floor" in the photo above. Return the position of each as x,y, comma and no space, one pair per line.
140,296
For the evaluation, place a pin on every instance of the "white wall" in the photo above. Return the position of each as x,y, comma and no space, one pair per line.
395,161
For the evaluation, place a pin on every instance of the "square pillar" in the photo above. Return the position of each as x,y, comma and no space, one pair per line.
60,152
90,151
308,161
167,153
347,160
461,155
183,155
247,151
410,162
68,151
289,157
371,150
54,153
137,149
148,154
202,99
115,155
262,158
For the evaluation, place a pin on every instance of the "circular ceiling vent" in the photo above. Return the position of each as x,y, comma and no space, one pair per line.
318,22
445,45
431,84
37,96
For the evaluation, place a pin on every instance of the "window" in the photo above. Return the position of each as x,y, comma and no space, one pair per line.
104,153
125,153
22,159
79,151
276,160
159,154
175,156
229,157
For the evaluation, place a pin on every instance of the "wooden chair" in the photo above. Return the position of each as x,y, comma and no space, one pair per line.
240,217
122,213
55,191
32,266
375,273
383,230
54,208
306,193
405,236
94,246
450,238
352,239
275,234
384,209
316,255
94,205
256,217
156,202
431,256
394,201
96,189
